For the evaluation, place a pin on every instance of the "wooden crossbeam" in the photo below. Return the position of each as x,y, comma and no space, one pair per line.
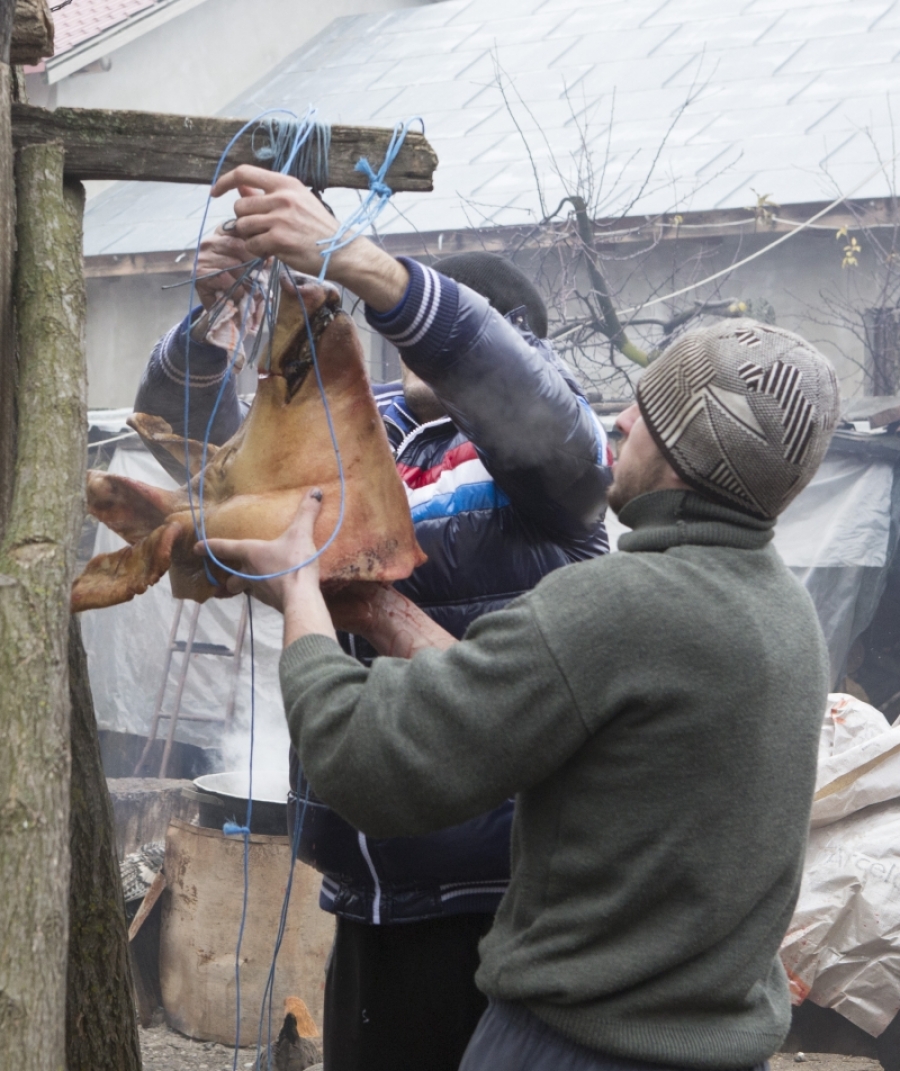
152,147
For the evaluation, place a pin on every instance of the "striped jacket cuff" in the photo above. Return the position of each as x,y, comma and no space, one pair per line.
425,317
208,363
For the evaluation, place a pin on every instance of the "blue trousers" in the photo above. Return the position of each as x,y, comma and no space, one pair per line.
510,1038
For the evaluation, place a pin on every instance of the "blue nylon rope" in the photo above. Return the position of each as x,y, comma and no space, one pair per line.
298,147
232,829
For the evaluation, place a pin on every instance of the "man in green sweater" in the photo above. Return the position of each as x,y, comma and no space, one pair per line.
655,713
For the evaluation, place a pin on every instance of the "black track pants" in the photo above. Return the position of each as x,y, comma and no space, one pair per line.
403,997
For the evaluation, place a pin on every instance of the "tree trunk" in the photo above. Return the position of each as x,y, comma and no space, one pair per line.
101,1028
32,37
8,373
37,561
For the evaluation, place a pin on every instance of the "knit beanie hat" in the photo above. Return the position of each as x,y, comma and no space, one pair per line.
504,285
743,412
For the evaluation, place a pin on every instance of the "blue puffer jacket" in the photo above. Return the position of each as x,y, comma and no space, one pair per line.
508,487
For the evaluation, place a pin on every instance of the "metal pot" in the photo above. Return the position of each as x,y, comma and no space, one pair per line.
222,797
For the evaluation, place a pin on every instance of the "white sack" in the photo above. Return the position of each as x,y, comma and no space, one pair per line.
842,949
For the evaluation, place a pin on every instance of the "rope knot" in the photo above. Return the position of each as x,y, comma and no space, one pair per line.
232,829
376,185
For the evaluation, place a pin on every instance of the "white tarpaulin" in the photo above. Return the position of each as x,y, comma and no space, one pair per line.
126,647
835,538
843,518
842,949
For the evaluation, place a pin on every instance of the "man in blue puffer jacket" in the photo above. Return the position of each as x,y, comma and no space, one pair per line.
506,472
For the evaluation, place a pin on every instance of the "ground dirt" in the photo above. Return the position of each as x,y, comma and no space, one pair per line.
165,1050
822,1061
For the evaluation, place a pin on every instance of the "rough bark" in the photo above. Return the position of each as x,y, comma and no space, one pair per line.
101,1029
8,373
32,36
37,561
7,15
151,147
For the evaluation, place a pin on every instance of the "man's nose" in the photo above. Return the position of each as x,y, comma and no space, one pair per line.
626,420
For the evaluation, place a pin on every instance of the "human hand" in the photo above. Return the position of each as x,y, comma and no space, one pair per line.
218,268
296,594
276,215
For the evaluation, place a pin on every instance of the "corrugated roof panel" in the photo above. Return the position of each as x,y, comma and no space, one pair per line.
714,34
606,19
787,83
852,53
826,20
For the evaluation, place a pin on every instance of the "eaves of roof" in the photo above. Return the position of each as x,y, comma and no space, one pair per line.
108,27
872,214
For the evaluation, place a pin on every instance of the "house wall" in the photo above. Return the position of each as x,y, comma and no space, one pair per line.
126,315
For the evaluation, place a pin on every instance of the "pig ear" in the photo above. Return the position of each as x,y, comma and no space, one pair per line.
109,579
131,509
169,449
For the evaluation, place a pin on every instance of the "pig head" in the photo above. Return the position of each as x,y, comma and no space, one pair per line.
253,484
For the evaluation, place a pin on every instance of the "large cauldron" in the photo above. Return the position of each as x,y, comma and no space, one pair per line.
222,797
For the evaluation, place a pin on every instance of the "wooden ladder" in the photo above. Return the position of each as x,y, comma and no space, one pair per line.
188,648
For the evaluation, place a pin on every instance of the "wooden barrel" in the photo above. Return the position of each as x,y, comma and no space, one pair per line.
201,916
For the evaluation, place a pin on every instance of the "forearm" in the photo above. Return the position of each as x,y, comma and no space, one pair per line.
370,273
161,391
304,610
536,436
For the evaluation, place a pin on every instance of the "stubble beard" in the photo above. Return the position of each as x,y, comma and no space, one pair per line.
631,482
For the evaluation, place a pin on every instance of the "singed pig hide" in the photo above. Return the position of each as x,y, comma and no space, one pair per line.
253,484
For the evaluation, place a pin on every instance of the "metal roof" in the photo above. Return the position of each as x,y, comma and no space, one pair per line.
789,98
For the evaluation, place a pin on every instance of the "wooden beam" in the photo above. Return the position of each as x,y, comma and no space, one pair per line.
32,35
152,147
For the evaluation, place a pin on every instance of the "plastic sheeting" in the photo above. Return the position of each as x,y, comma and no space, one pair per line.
126,647
836,538
842,949
843,518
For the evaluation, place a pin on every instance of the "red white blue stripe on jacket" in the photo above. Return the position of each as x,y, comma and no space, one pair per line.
460,482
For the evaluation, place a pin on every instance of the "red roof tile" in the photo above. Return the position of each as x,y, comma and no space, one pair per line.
83,19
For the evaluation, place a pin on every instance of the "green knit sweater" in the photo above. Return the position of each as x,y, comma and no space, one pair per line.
656,713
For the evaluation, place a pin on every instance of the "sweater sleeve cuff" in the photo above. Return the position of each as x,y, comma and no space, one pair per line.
208,363
424,318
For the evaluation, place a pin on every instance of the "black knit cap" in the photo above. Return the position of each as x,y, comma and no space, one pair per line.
501,282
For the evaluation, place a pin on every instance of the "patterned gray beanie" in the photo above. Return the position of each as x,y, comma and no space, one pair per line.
743,412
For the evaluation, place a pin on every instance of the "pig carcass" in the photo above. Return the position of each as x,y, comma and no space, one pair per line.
253,483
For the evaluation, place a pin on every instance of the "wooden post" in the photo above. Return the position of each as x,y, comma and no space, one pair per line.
37,562
7,254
